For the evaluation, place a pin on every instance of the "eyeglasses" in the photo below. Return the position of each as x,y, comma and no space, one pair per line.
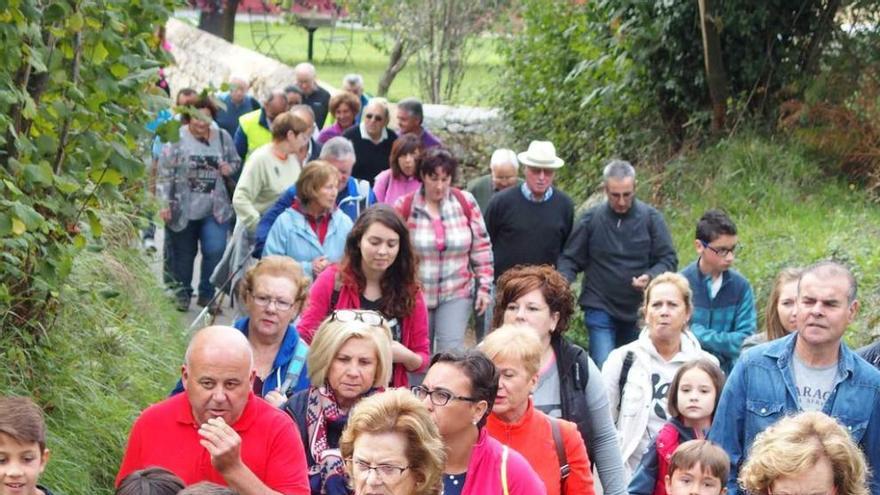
723,252
439,397
373,116
386,472
371,318
265,301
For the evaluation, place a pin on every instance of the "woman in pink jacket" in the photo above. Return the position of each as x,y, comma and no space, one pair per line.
459,390
378,272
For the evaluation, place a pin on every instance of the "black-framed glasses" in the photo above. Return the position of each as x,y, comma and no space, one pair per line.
265,301
439,397
374,116
369,317
723,252
386,472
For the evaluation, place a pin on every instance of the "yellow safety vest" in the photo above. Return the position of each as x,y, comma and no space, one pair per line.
257,135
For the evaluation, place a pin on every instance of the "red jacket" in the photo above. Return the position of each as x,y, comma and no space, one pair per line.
414,328
532,437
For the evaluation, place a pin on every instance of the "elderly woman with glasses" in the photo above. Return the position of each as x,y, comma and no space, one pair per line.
459,390
274,291
391,446
378,272
350,359
372,140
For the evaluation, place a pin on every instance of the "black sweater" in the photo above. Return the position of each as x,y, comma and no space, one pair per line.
525,232
370,158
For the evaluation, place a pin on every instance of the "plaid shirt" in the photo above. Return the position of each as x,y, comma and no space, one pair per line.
450,274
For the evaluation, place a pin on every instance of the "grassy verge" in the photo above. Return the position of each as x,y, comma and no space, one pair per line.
787,209
115,348
477,83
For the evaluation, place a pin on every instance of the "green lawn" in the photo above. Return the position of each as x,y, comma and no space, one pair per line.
475,89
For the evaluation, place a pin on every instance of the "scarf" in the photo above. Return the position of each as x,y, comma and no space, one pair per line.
328,470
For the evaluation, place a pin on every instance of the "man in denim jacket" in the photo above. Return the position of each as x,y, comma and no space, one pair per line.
811,369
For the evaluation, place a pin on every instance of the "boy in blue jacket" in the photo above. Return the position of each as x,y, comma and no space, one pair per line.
724,304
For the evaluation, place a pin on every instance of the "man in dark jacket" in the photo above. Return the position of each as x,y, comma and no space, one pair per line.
620,246
313,95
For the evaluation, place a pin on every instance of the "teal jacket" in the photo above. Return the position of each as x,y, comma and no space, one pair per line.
723,322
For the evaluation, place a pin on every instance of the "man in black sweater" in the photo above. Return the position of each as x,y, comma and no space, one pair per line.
530,224
313,95
620,246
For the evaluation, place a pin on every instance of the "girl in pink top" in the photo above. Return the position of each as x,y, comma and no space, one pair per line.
401,179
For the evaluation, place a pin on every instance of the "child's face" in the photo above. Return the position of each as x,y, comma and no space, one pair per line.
694,481
20,466
717,256
696,395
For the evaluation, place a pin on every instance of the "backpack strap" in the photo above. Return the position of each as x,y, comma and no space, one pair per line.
406,206
564,467
294,369
624,376
505,452
337,287
465,206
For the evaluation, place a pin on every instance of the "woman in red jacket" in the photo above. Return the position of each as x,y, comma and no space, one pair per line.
516,352
378,272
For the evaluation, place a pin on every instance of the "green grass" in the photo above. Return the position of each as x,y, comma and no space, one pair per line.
788,211
478,83
116,347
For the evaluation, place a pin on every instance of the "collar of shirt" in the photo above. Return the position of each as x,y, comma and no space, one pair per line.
531,197
365,135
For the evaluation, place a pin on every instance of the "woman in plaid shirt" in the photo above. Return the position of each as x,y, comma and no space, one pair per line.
455,254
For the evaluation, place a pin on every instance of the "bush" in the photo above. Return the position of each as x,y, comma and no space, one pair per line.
111,352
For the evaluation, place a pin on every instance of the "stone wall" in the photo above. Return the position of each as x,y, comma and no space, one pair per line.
203,60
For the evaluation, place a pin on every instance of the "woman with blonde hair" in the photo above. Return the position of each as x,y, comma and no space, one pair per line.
806,453
547,443
638,375
350,358
779,314
391,445
273,293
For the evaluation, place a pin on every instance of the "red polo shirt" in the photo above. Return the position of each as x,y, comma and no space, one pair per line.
166,435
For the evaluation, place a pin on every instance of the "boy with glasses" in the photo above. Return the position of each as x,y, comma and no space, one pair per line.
724,304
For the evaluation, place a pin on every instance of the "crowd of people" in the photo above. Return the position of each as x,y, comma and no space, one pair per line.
358,268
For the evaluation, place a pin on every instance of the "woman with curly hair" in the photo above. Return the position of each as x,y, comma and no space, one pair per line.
378,271
806,453
569,383
391,445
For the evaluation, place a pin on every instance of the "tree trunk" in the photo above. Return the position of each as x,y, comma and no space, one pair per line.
811,55
396,62
220,23
715,74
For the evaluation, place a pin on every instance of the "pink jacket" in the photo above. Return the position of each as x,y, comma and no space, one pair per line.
388,189
414,328
484,471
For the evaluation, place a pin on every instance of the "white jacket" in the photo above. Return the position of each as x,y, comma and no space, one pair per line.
632,413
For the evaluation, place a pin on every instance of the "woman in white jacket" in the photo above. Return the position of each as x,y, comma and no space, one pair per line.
637,375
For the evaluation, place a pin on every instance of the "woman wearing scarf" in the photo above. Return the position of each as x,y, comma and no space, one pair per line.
350,358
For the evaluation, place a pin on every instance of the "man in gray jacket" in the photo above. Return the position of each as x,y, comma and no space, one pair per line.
620,245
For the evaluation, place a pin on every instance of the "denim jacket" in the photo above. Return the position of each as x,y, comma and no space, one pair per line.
761,390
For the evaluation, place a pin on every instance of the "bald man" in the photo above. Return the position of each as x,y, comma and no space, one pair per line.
219,431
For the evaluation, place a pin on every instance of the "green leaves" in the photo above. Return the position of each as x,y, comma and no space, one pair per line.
75,96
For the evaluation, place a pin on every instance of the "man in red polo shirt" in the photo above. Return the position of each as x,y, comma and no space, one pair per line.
219,430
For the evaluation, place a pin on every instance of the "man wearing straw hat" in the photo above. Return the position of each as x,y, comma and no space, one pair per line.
620,245
531,223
